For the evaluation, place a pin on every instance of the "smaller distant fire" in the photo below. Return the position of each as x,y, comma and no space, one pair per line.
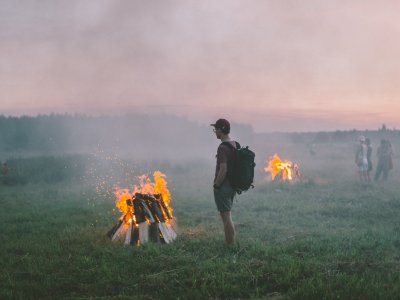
282,170
146,214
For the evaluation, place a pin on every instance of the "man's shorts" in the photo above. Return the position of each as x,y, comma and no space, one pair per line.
363,167
224,198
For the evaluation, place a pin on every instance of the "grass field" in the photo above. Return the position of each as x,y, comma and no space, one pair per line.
327,237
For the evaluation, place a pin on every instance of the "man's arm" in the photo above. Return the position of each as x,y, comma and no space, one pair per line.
223,169
357,154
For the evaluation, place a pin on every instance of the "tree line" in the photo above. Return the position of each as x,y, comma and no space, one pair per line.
143,135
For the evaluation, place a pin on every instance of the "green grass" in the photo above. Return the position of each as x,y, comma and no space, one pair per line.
45,169
301,241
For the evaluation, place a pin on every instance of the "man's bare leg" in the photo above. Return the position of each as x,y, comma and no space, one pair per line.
366,176
229,228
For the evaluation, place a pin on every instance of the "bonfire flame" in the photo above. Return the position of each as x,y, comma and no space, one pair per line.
146,187
283,170
146,214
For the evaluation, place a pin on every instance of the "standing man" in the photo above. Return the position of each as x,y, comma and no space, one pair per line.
361,159
223,190
369,158
385,162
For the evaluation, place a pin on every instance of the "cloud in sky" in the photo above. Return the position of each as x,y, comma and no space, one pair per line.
276,64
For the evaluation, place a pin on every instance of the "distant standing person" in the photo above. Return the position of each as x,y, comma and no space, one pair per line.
361,159
385,162
369,159
312,149
223,190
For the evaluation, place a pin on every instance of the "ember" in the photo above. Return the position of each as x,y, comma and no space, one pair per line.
146,214
282,170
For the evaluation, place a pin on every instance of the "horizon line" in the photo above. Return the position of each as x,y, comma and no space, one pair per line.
187,118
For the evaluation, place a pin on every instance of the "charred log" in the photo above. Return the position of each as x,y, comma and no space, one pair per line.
144,232
144,221
154,206
112,231
148,213
154,233
163,205
135,235
138,211
128,234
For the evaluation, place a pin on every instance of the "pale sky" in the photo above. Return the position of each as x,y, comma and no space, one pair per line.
302,65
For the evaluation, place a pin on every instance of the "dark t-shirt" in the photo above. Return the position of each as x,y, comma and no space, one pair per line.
225,154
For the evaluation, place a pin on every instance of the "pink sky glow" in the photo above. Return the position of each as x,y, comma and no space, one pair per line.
277,65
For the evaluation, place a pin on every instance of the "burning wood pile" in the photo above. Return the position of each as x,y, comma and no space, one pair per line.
146,215
282,170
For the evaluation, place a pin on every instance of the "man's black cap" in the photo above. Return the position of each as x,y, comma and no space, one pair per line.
222,124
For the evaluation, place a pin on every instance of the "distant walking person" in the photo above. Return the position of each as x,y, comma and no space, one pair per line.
223,190
312,149
369,159
385,161
361,159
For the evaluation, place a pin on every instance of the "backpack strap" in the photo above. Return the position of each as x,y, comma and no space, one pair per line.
231,146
